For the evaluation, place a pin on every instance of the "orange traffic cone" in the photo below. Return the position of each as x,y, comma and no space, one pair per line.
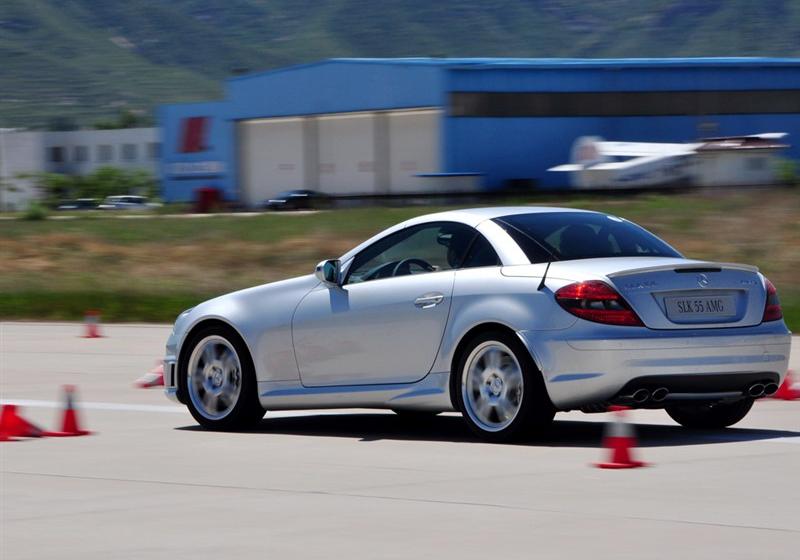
13,425
619,438
69,424
153,378
92,321
789,389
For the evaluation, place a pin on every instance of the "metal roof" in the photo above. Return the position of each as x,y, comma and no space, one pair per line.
543,63
593,62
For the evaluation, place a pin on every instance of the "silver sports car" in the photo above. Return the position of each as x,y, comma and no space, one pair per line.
507,315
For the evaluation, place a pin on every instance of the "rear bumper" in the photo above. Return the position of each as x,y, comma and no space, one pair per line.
591,363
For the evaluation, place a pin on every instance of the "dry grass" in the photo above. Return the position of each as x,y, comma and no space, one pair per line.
192,259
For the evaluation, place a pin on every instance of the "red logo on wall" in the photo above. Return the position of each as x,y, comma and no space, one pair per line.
193,135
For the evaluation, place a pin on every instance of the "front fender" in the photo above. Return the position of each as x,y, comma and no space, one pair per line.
262,316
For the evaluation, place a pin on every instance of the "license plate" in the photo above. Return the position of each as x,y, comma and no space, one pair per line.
700,307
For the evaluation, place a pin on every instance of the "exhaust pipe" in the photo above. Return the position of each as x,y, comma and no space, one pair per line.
659,394
640,396
770,389
756,390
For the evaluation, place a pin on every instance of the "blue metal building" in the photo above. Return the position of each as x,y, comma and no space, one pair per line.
374,126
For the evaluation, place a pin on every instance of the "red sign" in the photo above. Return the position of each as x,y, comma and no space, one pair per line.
193,135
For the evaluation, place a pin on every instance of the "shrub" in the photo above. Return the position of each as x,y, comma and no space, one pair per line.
35,211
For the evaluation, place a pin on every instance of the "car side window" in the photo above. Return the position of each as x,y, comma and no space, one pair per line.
480,254
416,250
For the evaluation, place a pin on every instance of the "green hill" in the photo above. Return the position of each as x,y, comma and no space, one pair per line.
88,59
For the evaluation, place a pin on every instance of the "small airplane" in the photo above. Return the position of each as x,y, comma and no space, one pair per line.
597,163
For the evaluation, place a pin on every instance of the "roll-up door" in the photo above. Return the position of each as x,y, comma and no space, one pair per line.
347,153
271,158
413,148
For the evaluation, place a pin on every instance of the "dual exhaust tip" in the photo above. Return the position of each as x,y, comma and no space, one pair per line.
756,390
641,396
762,389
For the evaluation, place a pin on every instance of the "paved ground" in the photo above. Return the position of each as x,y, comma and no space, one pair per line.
361,484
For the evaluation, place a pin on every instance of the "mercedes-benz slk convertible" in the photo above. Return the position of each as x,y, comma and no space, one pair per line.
507,315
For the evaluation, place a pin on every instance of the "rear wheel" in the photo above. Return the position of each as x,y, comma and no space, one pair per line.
710,415
499,390
220,380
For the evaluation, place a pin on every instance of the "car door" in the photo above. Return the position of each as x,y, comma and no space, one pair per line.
385,323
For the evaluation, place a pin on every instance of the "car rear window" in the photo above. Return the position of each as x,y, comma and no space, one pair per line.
581,235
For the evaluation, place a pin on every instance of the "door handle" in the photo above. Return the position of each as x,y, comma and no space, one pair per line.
429,300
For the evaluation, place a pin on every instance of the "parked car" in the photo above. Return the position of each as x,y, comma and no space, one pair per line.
127,202
302,199
79,204
507,315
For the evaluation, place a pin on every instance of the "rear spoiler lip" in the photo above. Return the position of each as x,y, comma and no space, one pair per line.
689,265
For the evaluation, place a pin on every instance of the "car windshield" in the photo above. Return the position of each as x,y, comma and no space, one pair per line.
581,235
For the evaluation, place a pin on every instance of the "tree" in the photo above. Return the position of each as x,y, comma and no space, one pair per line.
125,119
109,181
102,182
54,187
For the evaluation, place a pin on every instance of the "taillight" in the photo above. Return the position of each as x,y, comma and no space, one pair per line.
772,309
598,302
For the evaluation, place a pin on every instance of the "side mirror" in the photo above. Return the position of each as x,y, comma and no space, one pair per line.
329,272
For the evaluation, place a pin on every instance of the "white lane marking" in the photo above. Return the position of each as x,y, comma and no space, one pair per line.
177,409
788,439
174,409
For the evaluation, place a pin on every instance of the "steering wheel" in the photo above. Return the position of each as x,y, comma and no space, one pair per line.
380,271
405,264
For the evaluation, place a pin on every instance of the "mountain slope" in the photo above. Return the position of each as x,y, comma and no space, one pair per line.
86,59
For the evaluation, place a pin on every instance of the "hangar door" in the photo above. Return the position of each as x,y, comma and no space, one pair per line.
413,148
271,158
347,153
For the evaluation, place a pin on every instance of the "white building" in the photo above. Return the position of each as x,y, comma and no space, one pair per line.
74,152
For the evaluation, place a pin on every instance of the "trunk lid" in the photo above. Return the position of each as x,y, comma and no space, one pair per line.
668,293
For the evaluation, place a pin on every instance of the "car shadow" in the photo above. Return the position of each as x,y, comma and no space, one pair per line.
564,433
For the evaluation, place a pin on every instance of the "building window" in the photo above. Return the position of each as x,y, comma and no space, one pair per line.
56,154
80,154
105,153
129,152
153,150
623,103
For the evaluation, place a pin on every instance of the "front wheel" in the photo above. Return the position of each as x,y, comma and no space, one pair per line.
220,380
710,415
498,389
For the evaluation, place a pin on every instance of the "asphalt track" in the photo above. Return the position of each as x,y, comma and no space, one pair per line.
365,484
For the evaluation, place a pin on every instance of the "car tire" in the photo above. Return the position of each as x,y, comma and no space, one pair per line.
709,416
499,390
221,388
